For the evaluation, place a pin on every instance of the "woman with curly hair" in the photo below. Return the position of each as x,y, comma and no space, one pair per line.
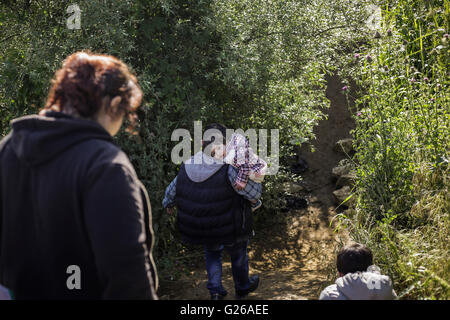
75,221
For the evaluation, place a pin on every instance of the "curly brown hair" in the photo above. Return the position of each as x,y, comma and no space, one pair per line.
86,79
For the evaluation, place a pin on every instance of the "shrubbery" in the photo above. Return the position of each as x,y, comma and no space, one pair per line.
262,64
402,139
243,63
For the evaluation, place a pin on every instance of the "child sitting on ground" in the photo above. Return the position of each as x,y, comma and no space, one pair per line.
238,154
358,278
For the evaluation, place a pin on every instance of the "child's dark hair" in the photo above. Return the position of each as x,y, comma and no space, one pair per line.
353,258
217,126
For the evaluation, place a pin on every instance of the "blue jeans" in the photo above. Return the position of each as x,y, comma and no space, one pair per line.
239,266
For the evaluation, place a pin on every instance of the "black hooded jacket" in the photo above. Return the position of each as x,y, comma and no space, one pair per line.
70,197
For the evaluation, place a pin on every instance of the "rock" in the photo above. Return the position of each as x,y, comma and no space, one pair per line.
344,146
346,180
293,202
341,170
341,194
292,188
344,174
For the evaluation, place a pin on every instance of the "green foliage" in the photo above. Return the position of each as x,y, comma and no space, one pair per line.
402,134
35,40
247,64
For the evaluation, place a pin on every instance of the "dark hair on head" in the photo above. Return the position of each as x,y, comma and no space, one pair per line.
353,258
222,129
86,79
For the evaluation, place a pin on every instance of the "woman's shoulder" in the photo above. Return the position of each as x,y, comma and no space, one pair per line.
102,153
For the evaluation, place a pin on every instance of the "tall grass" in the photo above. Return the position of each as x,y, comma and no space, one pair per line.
402,143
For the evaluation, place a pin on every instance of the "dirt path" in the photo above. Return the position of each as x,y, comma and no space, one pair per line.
293,256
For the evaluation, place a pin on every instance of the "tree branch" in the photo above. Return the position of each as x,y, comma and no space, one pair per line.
329,29
246,41
11,36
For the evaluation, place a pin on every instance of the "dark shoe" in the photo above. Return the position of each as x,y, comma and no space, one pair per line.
254,283
256,205
218,296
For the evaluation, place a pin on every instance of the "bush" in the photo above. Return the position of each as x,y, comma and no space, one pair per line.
402,139
245,64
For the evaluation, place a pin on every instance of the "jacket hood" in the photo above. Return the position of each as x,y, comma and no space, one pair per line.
365,286
36,139
201,166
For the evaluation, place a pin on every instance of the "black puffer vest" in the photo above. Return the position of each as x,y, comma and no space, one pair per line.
211,212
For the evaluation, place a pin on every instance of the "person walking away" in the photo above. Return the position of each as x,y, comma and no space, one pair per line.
213,212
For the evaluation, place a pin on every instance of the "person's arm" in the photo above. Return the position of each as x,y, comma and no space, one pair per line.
251,191
170,194
115,223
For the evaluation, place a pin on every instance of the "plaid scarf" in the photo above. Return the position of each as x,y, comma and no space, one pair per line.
243,158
